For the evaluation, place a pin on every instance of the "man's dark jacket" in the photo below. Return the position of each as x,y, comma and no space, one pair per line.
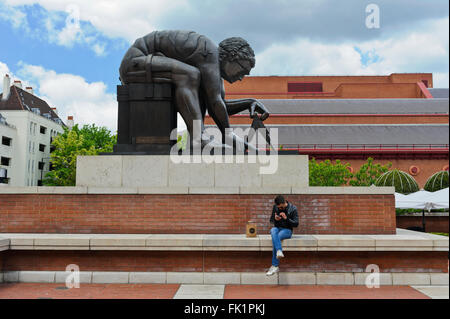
291,214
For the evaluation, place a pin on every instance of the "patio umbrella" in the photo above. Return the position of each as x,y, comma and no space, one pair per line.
423,200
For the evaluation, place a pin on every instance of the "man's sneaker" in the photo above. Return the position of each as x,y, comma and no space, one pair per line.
272,270
279,254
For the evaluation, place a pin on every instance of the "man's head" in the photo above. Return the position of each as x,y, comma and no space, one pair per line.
236,59
280,202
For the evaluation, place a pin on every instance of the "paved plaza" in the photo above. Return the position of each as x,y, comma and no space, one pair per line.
177,291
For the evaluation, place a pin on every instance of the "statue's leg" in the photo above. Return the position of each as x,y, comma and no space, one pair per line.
186,79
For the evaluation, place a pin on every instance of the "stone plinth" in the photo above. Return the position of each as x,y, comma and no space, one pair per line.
146,117
255,174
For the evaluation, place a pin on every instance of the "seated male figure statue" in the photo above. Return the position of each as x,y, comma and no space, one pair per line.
195,66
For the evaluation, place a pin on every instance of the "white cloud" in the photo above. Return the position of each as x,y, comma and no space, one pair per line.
15,16
113,18
422,50
4,69
71,94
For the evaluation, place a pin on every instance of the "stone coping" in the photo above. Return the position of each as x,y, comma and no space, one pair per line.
404,240
199,190
4,243
237,278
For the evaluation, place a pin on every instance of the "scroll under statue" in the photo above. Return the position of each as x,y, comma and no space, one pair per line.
195,66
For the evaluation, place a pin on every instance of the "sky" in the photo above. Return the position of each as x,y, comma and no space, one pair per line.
70,51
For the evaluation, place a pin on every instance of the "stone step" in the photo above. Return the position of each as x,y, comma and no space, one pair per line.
404,240
237,278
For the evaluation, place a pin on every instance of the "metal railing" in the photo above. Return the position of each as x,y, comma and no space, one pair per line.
363,147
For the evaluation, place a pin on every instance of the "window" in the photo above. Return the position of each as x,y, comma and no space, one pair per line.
41,147
300,87
425,82
43,130
6,141
5,161
41,165
4,176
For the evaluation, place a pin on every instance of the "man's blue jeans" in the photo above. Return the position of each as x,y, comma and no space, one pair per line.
278,234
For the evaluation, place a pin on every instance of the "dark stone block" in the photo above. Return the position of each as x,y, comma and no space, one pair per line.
146,117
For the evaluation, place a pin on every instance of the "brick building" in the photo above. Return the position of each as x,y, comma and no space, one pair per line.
399,118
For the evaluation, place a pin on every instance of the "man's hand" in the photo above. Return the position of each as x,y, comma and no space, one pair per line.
277,217
258,107
283,215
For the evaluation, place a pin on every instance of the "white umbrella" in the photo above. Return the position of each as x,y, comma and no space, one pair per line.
423,200
439,199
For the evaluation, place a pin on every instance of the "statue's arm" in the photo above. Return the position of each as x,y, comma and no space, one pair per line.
237,106
133,66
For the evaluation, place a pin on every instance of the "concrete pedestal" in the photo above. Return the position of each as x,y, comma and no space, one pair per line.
167,173
146,117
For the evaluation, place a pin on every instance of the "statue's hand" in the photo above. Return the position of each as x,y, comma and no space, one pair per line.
258,107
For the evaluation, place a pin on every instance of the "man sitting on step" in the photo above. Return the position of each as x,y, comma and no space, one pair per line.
284,217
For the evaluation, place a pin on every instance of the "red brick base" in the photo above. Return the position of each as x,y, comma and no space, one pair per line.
436,224
194,214
197,261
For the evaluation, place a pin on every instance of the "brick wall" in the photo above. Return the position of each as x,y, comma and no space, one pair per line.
435,224
230,261
194,214
394,86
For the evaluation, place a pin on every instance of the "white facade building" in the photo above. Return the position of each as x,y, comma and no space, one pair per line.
8,140
26,136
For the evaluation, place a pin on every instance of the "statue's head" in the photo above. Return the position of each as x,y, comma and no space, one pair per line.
236,59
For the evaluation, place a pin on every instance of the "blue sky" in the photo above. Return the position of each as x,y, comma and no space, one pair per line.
70,51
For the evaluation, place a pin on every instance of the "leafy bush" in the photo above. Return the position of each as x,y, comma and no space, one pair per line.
369,173
326,173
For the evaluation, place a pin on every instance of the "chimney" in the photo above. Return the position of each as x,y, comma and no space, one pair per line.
54,110
29,89
6,87
18,83
70,122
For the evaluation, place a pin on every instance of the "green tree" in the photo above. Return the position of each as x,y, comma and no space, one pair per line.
182,141
326,173
368,173
89,140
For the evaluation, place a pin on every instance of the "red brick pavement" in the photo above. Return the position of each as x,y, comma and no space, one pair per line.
165,291
87,291
320,292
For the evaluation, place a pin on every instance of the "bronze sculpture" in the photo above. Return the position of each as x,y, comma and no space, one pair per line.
195,66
